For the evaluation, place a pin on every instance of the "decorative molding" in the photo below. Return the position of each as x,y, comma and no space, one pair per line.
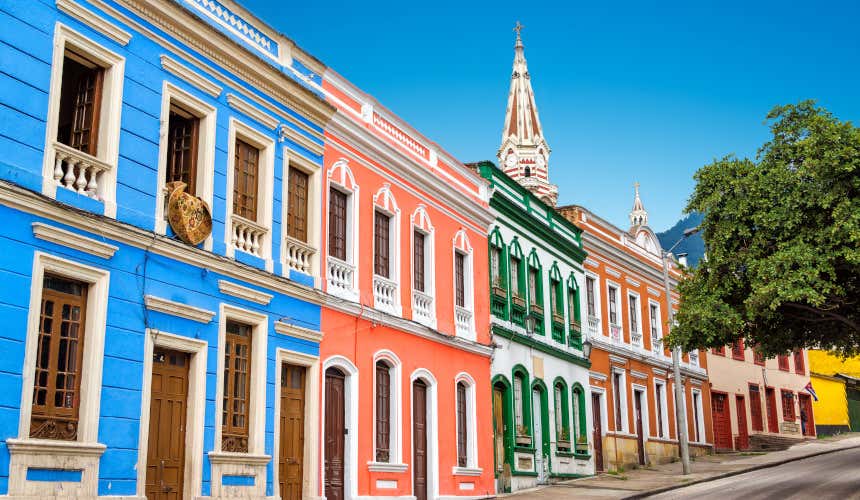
179,309
298,332
632,282
696,382
638,375
654,292
537,345
649,357
218,457
55,447
658,372
287,132
613,272
591,262
232,22
386,467
243,292
247,108
69,239
94,21
598,376
617,359
190,76
467,471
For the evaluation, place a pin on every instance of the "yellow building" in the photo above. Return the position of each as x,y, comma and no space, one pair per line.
837,383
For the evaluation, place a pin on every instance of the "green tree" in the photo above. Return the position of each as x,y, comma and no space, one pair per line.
783,241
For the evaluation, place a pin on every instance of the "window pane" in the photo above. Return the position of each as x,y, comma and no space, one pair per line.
460,279
80,103
297,205
382,228
245,180
383,412
418,259
337,224
182,148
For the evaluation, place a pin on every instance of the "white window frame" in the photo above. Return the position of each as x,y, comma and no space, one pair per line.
340,178
110,113
83,453
684,407
350,439
384,202
662,402
618,308
421,223
265,173
622,394
207,115
295,160
638,312
472,468
659,322
646,410
604,413
464,249
698,422
597,304
432,429
395,419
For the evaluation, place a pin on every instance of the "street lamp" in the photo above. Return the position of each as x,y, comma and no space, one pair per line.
680,416
530,324
586,349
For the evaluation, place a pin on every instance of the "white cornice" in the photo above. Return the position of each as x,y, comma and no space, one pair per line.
26,201
190,76
658,372
173,308
94,21
245,107
407,326
386,467
646,357
73,240
298,332
597,376
300,139
243,292
617,359
607,253
638,375
591,262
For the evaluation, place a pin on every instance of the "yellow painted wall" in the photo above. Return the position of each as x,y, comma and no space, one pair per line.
832,405
826,363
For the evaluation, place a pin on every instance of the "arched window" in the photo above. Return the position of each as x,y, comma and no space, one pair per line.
535,287
522,407
563,431
573,313
556,300
498,276
462,426
518,286
528,171
383,411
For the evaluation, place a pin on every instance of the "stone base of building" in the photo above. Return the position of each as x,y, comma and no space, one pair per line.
623,452
831,430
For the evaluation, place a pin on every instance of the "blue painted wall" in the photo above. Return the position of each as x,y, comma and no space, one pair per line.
26,50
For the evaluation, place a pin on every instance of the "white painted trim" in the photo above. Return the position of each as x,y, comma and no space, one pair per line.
252,111
432,429
190,76
243,292
351,389
639,375
94,21
207,116
471,426
345,183
646,423
195,407
663,404
69,239
419,220
622,394
110,117
298,332
597,376
467,471
311,460
294,159
700,422
395,417
638,311
178,309
604,414
462,246
386,467
617,359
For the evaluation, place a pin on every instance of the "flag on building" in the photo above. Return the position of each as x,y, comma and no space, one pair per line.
810,390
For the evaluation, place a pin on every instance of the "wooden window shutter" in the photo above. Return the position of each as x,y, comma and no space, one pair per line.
245,180
297,205
381,260
460,278
418,261
237,388
80,103
57,384
337,224
462,431
383,412
182,138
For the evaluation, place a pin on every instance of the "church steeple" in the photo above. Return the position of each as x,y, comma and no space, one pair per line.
638,216
524,153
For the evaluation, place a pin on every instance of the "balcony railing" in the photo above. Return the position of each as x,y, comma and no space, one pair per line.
384,293
422,307
78,171
615,333
463,321
248,236
694,358
340,276
299,255
593,325
656,344
636,338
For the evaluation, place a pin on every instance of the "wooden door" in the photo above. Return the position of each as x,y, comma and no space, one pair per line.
743,432
419,440
755,409
292,430
597,435
335,431
168,407
806,417
640,438
722,421
770,402
499,428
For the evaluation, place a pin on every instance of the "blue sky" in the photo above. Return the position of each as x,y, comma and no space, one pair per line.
627,91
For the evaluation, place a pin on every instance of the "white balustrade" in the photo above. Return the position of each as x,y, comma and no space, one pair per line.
340,276
248,236
656,344
299,255
78,171
593,325
463,321
422,307
615,333
384,293
694,358
636,338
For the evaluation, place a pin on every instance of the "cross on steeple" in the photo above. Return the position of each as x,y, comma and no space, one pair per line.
519,27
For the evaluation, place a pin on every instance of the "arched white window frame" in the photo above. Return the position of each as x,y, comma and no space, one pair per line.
421,223
464,317
384,201
340,177
395,462
432,430
471,468
295,253
351,418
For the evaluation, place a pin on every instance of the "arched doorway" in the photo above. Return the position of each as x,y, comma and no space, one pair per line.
335,425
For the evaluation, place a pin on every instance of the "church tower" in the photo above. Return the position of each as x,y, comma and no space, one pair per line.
524,153
638,216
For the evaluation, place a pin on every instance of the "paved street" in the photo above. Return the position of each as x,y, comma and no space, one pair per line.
831,476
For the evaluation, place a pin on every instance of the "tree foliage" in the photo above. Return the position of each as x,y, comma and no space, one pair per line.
783,241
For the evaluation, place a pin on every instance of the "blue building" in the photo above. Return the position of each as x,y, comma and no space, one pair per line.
134,363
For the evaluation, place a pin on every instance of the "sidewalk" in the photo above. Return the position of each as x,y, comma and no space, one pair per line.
642,482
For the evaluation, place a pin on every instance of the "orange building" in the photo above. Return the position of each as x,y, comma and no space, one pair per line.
631,384
405,358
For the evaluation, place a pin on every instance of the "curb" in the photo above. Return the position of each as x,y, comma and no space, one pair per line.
657,491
